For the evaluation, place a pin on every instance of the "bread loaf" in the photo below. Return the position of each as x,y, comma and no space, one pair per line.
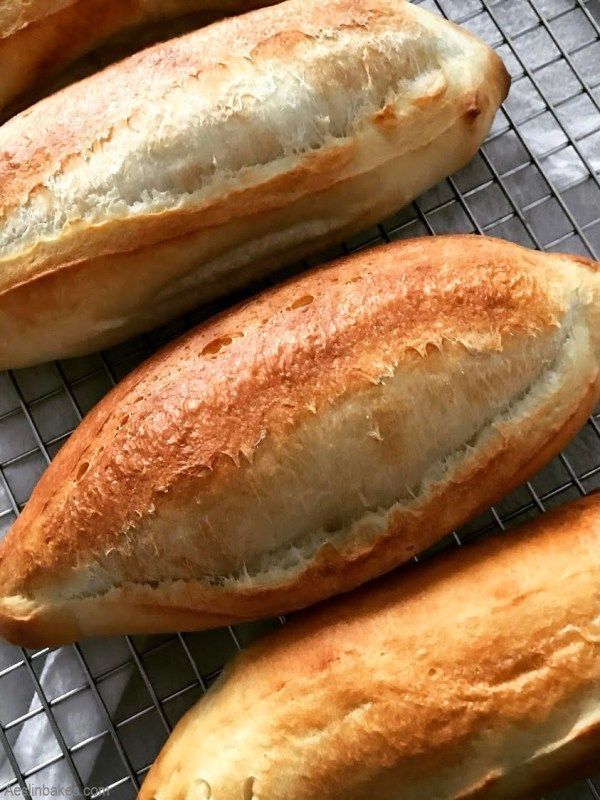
200,164
476,677
307,441
40,37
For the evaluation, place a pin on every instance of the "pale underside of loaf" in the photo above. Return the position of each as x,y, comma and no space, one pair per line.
476,677
203,158
309,440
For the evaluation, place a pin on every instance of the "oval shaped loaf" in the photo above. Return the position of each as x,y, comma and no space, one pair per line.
202,163
38,38
476,677
307,441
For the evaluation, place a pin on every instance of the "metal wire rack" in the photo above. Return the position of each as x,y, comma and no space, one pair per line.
93,716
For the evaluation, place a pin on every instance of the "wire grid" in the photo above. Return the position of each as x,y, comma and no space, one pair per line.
94,715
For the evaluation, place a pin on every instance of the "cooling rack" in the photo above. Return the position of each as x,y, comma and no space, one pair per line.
90,718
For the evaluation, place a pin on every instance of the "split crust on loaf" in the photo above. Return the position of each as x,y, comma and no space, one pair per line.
473,677
203,163
308,440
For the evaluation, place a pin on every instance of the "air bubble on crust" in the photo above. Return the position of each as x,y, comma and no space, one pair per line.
215,347
203,790
212,348
301,302
251,789
82,469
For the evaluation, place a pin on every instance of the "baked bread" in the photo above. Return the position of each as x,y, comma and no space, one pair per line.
307,441
475,677
38,38
202,163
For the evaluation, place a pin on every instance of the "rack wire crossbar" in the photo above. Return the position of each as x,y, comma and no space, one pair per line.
93,716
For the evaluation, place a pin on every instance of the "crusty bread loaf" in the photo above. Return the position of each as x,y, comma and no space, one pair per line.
475,677
40,37
201,164
307,441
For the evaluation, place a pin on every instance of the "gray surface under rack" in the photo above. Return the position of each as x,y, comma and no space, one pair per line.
94,715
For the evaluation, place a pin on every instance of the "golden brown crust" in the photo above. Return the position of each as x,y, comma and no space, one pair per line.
475,676
193,607
88,112
112,172
189,606
365,310
131,236
97,301
188,426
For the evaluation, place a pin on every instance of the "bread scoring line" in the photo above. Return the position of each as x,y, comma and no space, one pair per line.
302,551
21,238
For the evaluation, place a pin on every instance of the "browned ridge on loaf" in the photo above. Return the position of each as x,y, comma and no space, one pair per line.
308,440
205,162
475,677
